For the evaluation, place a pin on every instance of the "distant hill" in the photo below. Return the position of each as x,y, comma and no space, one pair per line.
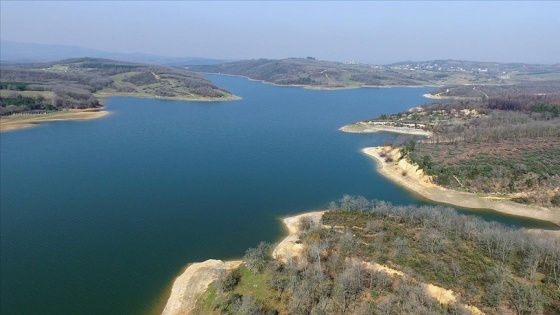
14,52
325,74
77,83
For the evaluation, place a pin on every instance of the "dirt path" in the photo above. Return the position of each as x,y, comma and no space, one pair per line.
442,295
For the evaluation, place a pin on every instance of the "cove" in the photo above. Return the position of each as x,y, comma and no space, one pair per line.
98,217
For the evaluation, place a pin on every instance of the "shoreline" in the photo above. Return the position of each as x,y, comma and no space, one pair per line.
18,122
438,97
27,121
421,184
149,96
361,127
194,281
196,277
323,88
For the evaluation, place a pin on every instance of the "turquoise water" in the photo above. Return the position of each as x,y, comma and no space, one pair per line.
98,217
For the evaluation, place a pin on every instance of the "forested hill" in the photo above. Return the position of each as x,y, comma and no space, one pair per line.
325,74
77,83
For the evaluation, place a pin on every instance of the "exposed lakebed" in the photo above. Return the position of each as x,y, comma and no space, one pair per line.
98,217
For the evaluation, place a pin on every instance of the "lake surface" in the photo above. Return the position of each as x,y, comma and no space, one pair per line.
99,217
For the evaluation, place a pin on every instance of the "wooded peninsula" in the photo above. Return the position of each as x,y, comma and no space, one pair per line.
72,88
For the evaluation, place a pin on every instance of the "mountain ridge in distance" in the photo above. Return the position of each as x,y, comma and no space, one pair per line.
16,52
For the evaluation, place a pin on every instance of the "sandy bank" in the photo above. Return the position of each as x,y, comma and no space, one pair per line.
194,281
416,181
25,121
289,248
363,127
188,287
439,97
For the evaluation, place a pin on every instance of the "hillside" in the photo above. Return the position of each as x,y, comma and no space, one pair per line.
505,143
78,83
372,257
325,74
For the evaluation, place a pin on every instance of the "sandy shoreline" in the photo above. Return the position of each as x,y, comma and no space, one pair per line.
289,247
194,281
27,121
362,127
416,181
196,278
439,97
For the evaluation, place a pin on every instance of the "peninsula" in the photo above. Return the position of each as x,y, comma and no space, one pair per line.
496,152
70,89
369,257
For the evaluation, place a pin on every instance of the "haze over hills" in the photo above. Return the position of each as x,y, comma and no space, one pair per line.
15,52
325,74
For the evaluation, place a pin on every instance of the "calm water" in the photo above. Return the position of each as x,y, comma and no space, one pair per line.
98,217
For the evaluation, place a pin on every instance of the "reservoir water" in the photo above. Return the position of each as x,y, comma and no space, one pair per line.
98,217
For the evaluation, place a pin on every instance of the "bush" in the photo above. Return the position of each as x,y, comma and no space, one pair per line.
229,280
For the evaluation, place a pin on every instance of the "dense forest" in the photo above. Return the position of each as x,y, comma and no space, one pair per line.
75,84
372,257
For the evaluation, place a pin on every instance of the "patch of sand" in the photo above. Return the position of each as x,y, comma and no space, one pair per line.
189,286
194,281
25,121
363,127
442,295
416,181
289,248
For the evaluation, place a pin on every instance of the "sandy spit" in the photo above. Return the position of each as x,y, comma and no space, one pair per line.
19,122
289,248
416,181
194,281
370,128
188,287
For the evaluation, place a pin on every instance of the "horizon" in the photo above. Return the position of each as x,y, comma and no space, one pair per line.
504,32
234,60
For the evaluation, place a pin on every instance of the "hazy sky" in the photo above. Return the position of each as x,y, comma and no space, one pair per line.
371,32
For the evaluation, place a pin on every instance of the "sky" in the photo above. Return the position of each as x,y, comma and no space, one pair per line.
377,32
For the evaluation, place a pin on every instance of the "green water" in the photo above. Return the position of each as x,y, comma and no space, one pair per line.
98,217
